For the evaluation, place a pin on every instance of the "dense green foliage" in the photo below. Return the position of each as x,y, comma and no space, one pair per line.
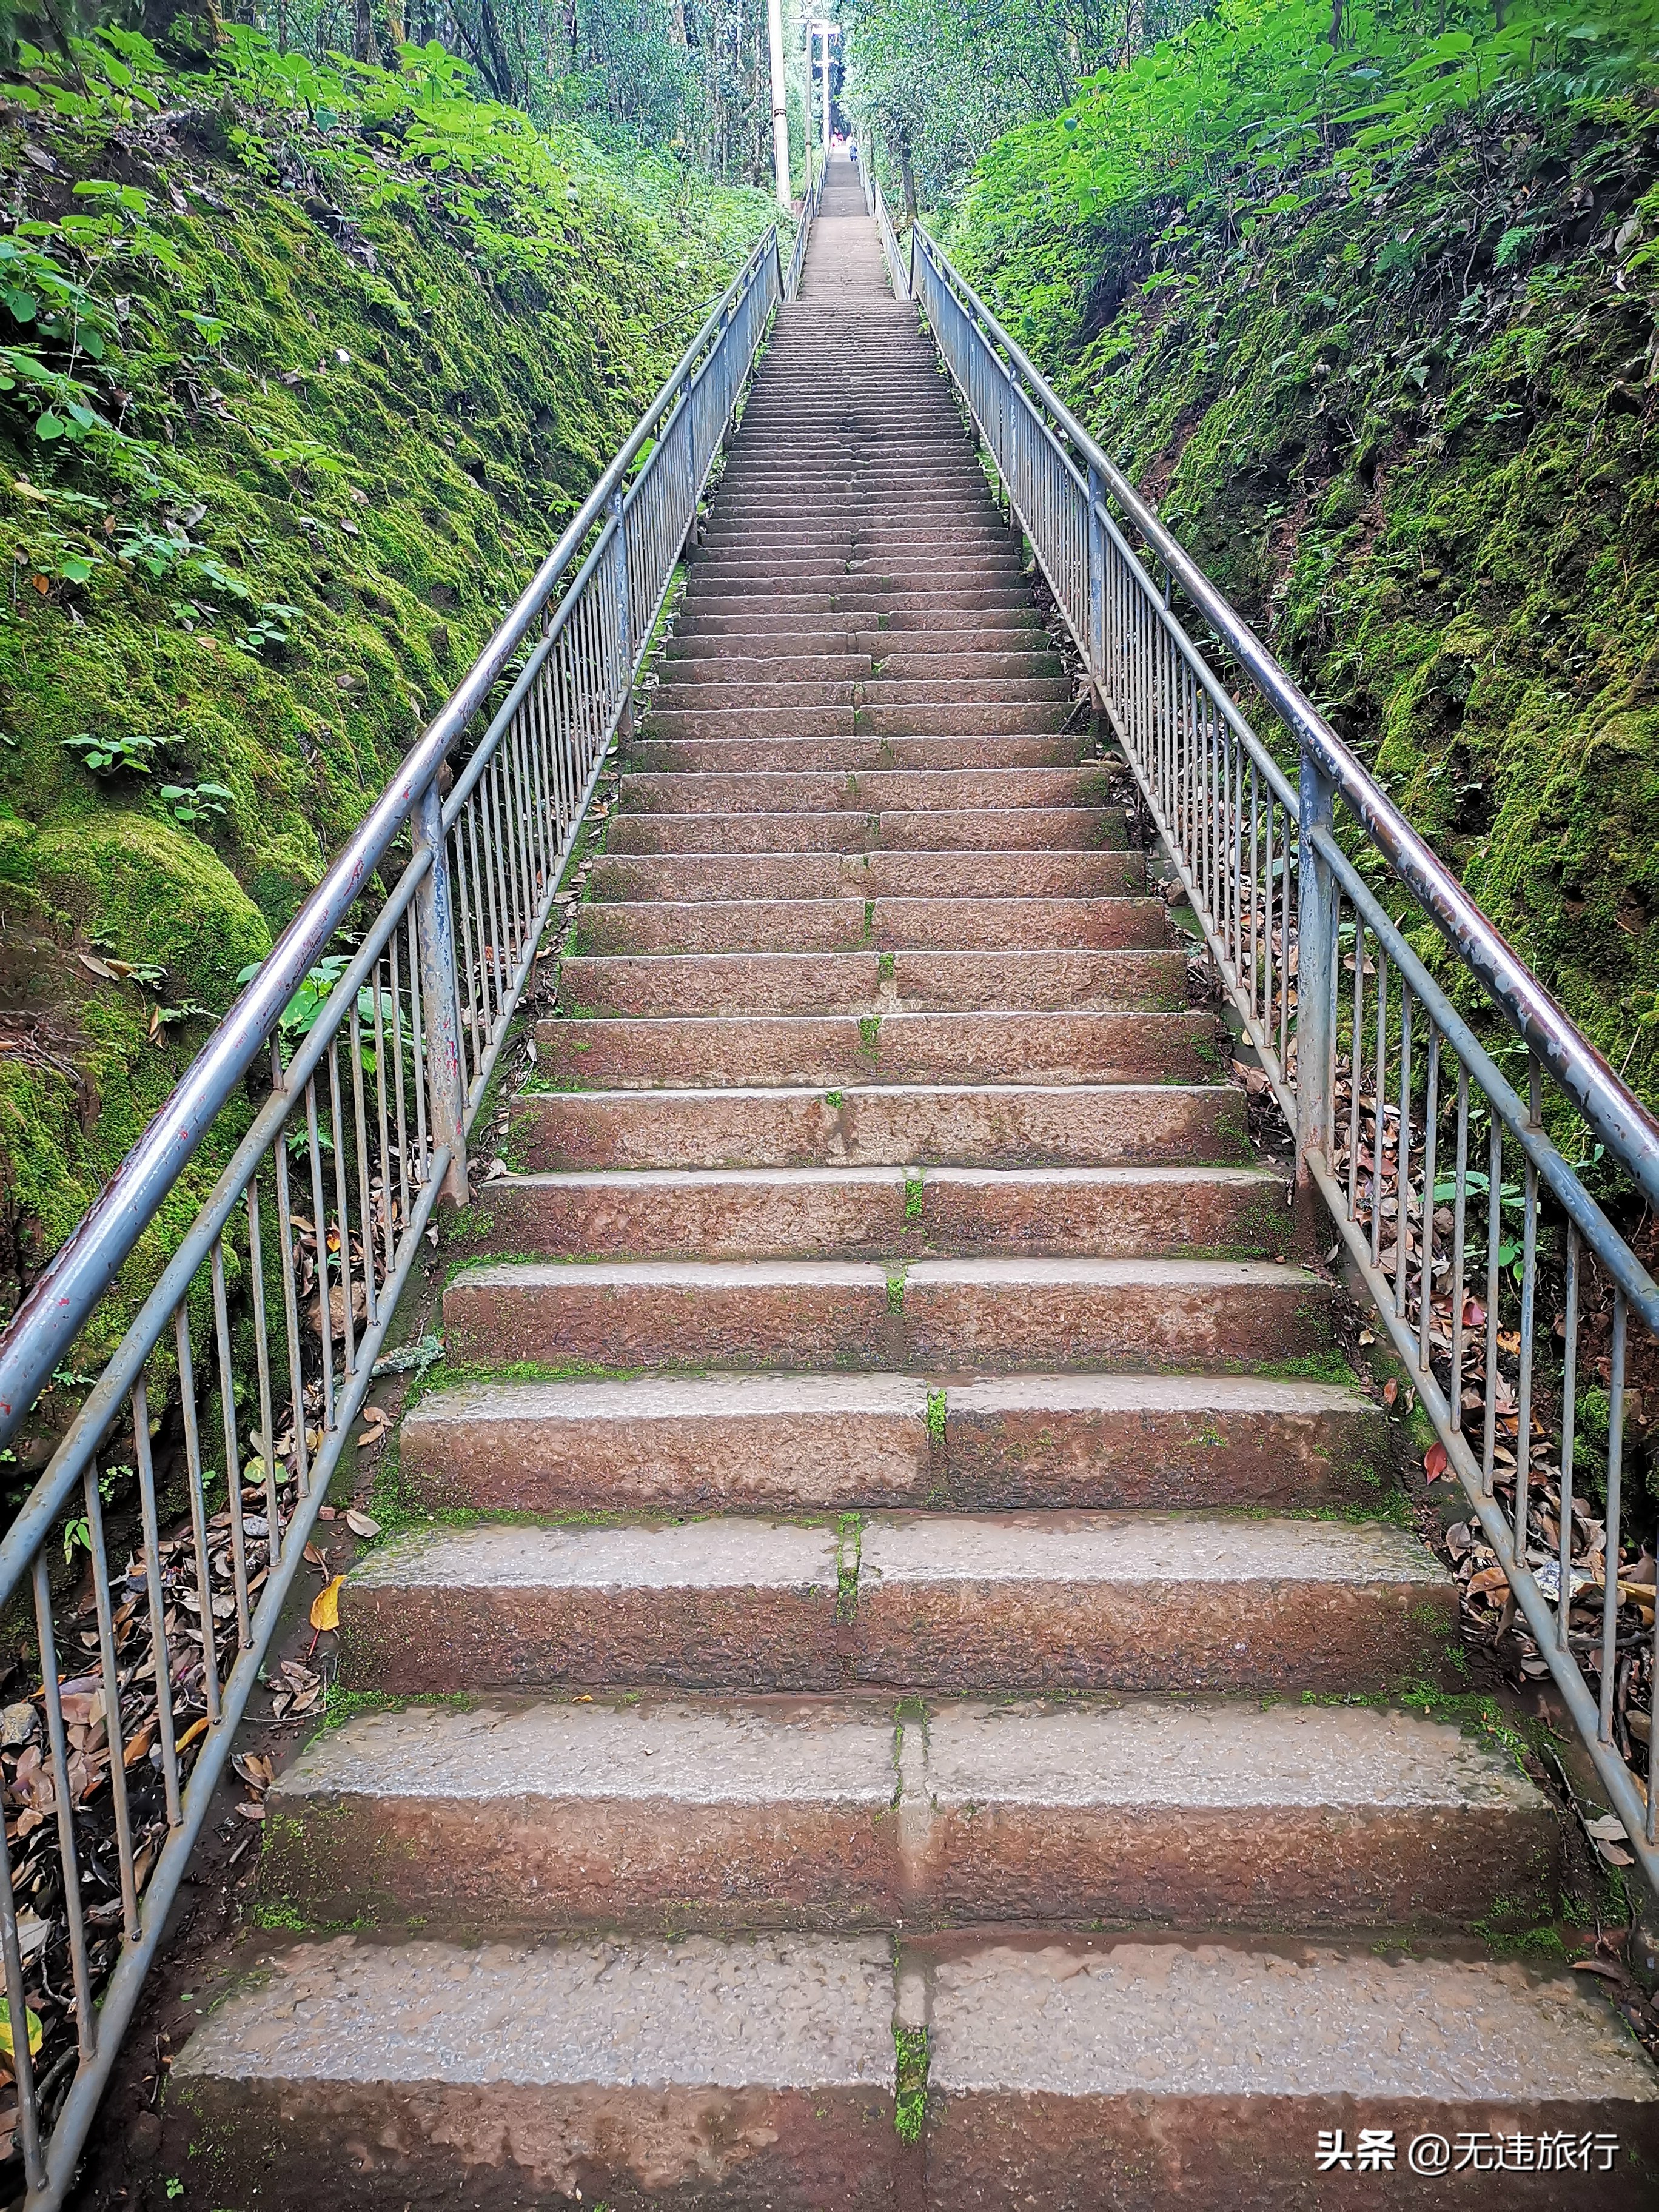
1376,323
690,78
299,369
936,83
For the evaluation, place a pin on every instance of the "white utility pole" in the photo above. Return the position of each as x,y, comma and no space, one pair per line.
779,104
826,32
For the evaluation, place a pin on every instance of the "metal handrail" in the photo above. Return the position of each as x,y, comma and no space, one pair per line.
817,168
269,1315
898,262
1386,1094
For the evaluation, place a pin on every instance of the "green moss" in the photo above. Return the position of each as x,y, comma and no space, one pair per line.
1410,443
381,428
910,2057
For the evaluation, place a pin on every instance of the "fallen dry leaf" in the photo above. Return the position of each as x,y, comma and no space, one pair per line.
325,1606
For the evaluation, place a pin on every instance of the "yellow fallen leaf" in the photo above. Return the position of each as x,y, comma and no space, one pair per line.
37,2034
196,1729
325,1606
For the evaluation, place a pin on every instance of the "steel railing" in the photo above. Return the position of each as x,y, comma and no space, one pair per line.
897,260
331,1107
816,167
1444,1184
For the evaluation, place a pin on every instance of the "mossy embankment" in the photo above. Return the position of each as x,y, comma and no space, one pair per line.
348,351
1403,408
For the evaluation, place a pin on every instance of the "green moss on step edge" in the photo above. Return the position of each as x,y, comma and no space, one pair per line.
910,2063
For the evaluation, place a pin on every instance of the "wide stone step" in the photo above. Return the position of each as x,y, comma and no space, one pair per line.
868,982
1001,829
882,1125
846,755
759,2073
873,791
898,924
636,877
994,1314
947,630
976,1046
960,718
731,1212
959,1603
756,2076
835,1442
709,690
829,1813
857,598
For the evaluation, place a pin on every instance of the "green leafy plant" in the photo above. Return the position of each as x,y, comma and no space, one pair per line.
128,756
195,802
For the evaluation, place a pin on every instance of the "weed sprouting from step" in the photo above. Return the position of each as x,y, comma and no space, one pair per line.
849,1538
895,1291
887,962
835,1100
869,922
913,1192
936,1418
910,2057
869,1032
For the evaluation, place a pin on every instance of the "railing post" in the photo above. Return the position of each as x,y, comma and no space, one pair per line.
1010,432
1096,558
689,437
1314,963
435,914
624,612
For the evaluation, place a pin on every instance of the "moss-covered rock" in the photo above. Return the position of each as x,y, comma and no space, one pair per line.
1411,432
358,368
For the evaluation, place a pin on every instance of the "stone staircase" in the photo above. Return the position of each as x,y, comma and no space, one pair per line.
877,1733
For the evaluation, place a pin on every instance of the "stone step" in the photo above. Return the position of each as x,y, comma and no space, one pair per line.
638,877
867,982
858,598
719,685
772,546
828,1814
844,756
964,1604
961,718
1145,2075
882,1125
1000,830
901,924
837,1443
692,663
760,2073
874,791
901,568
995,1314
993,629
731,1212
975,1046
756,2076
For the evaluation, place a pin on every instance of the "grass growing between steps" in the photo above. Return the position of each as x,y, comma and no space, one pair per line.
911,2060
